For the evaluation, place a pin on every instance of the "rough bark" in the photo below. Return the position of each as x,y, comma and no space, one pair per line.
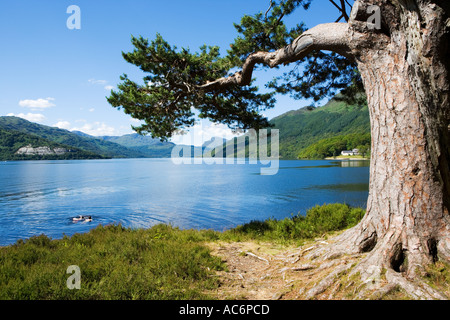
406,80
405,70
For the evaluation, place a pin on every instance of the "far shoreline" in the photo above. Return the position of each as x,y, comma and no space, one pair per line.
346,158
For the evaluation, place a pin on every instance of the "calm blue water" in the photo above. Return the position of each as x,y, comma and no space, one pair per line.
42,196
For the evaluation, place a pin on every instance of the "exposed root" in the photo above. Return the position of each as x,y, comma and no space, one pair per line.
443,248
418,291
384,264
379,293
327,282
316,271
352,241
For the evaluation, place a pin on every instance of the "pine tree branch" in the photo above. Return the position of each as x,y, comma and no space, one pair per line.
270,7
342,9
328,36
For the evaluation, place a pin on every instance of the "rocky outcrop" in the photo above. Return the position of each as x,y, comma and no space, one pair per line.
30,151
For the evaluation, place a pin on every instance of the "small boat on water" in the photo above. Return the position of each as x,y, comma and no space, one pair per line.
79,218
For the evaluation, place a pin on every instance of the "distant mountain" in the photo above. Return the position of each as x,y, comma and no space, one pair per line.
304,127
82,134
86,143
213,142
150,147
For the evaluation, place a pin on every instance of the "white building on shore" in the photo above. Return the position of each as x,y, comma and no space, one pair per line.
353,152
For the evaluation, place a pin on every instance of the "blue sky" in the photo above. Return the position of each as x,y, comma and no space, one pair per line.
60,77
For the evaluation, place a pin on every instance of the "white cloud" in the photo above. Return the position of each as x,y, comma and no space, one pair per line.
96,129
38,103
63,125
33,117
93,129
91,110
200,134
103,83
94,81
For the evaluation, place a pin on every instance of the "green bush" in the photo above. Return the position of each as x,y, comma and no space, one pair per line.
115,262
317,221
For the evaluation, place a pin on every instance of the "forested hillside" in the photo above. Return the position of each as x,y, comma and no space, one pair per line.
12,141
332,147
150,147
65,137
303,128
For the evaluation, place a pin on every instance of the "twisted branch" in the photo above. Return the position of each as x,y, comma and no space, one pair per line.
329,36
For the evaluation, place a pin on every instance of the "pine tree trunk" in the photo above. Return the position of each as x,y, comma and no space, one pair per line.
405,73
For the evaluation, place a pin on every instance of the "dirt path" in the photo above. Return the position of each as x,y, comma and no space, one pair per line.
262,271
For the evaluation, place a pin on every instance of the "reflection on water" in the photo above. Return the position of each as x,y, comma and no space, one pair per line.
42,196
330,164
343,187
354,163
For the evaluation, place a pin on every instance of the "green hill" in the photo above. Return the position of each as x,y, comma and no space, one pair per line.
332,147
303,128
316,133
86,143
13,141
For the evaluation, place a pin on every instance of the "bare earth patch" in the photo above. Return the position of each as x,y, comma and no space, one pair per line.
265,271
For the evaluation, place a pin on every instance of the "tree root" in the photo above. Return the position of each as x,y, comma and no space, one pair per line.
376,275
327,282
418,291
375,288
333,270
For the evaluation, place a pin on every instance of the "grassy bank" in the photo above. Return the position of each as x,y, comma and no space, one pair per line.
317,222
115,263
162,262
